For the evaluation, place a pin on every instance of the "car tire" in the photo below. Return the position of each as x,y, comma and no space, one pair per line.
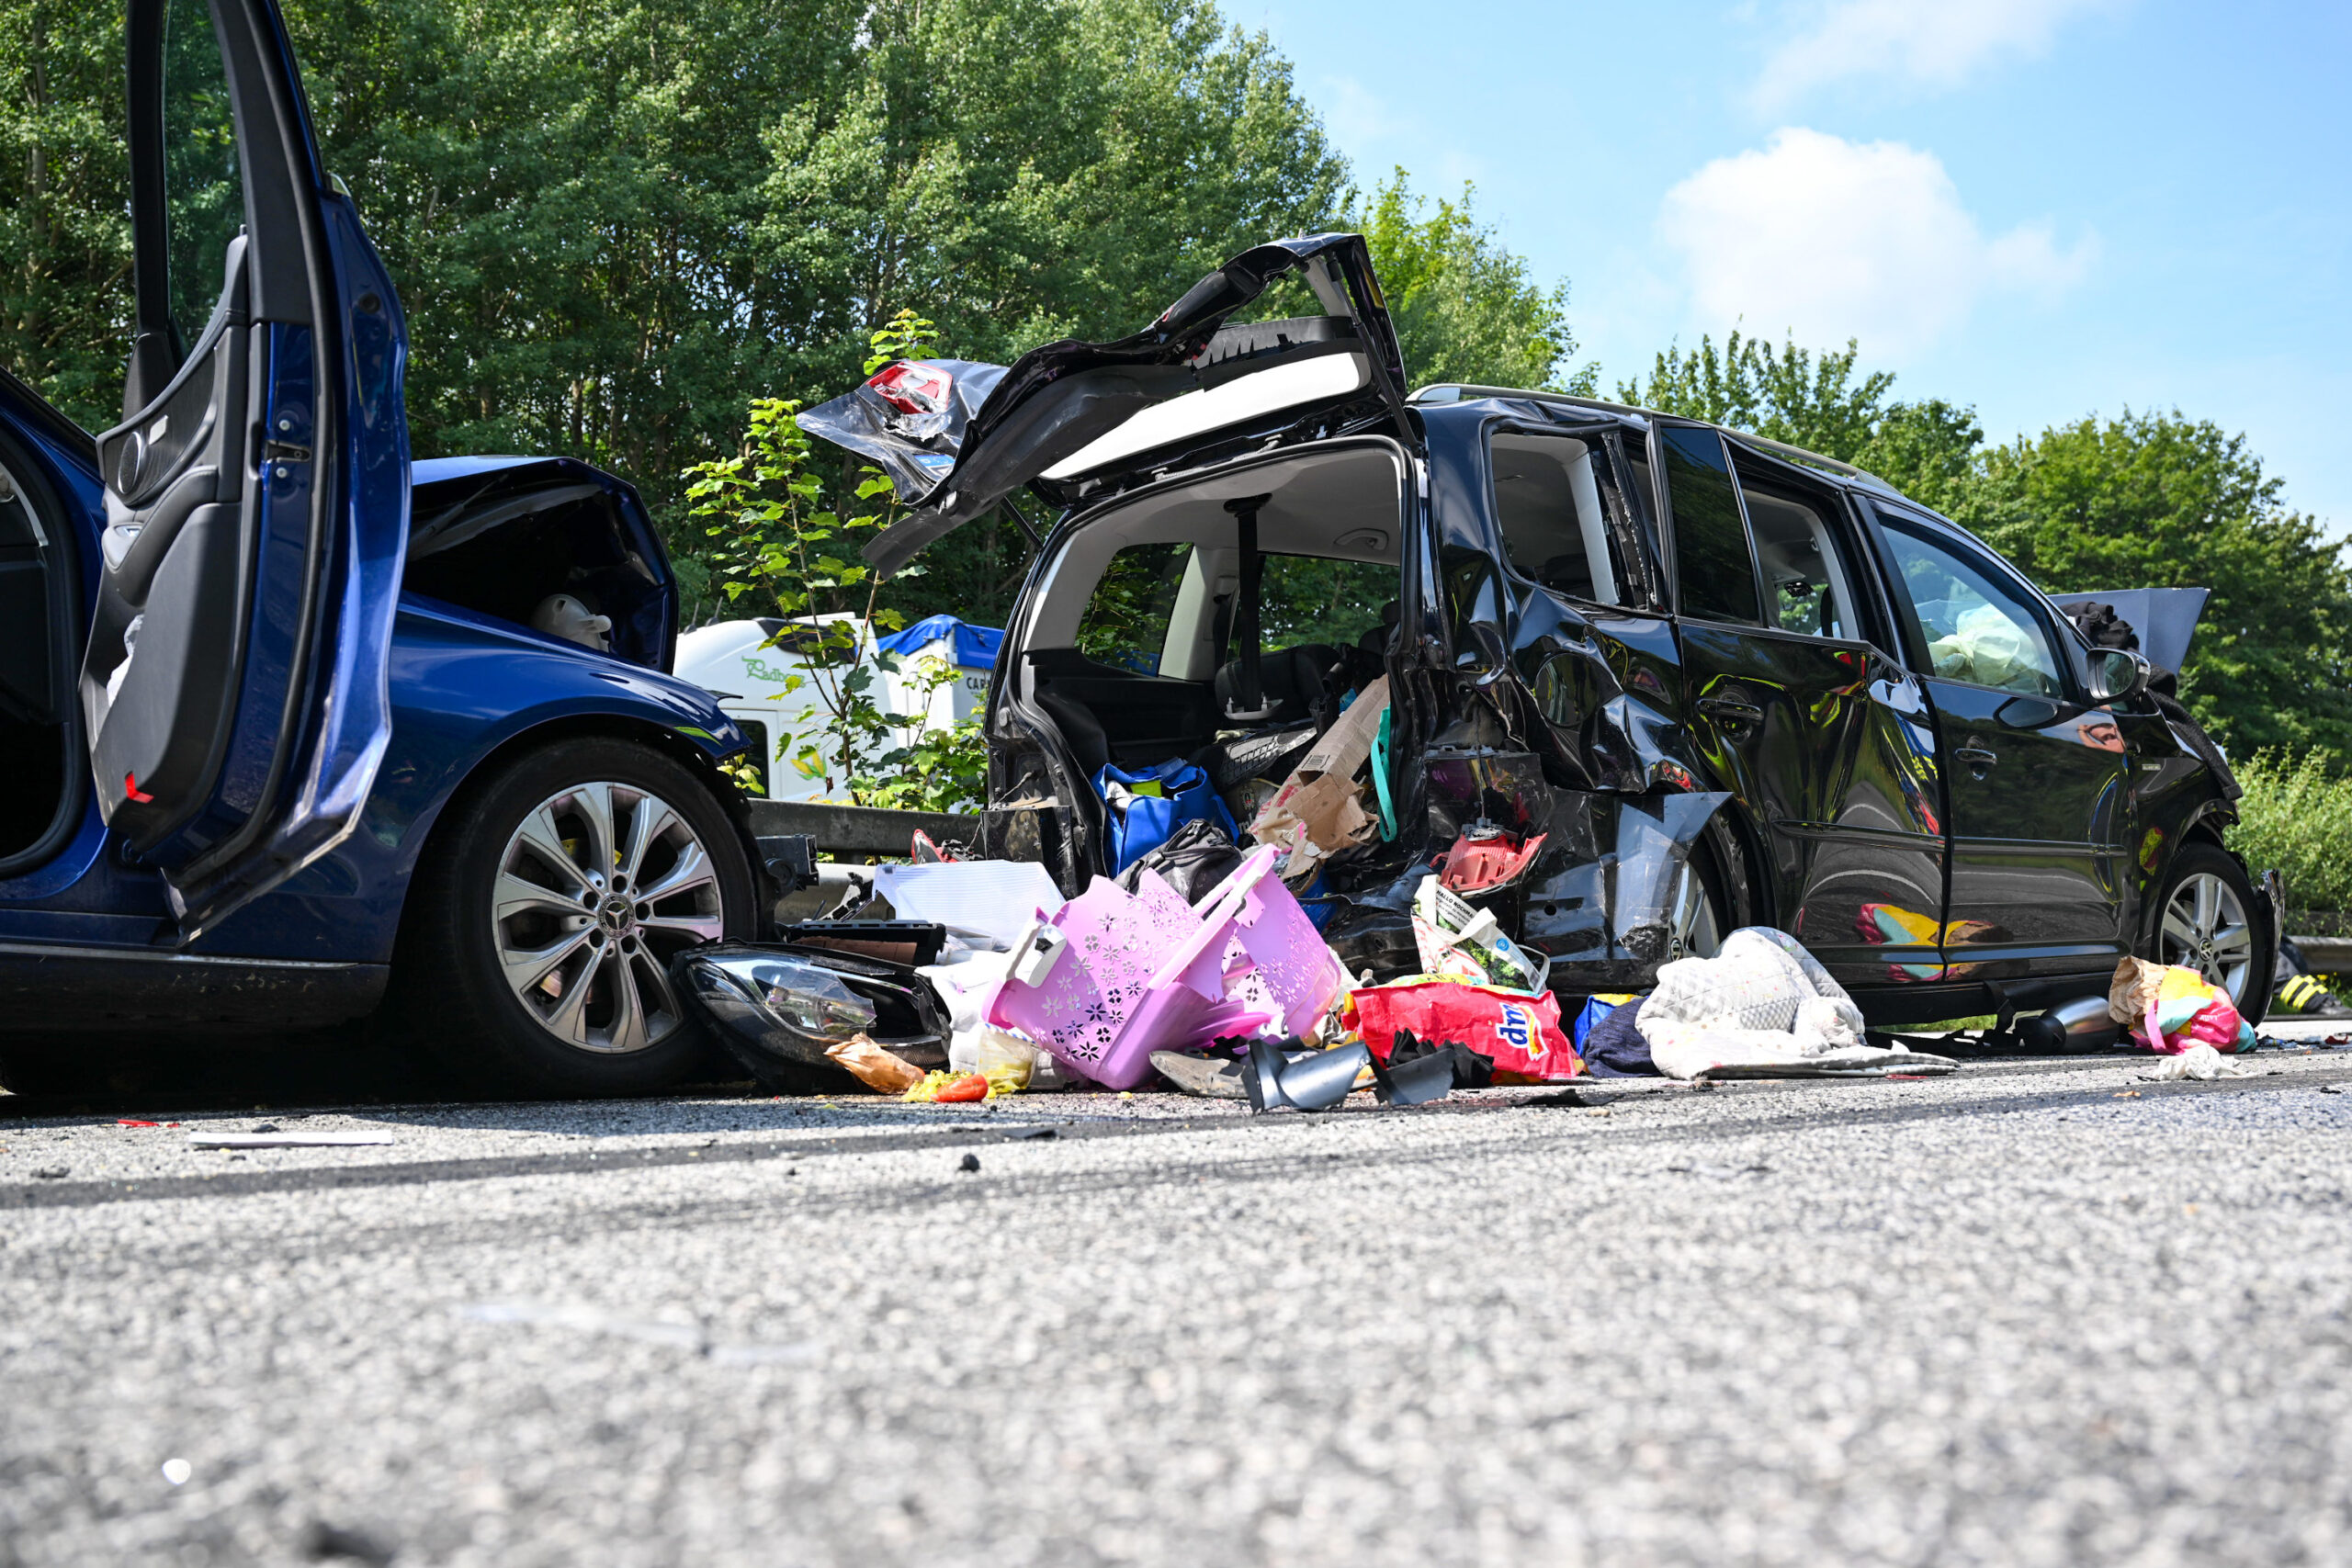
526,966
2207,897
1702,910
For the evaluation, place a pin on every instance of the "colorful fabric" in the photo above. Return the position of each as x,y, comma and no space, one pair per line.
2170,1008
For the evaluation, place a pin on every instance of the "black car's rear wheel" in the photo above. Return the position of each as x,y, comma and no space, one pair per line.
2210,919
537,944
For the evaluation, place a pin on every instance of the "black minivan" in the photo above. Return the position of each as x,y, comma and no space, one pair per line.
1707,679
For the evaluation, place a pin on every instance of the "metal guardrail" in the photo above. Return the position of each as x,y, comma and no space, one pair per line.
861,830
2328,954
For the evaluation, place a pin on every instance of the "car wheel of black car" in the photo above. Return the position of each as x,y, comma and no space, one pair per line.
537,943
2210,919
1701,910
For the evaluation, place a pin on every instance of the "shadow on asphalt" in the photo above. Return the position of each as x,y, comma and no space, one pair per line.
352,1066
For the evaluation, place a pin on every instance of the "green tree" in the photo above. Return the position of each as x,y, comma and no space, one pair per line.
1786,394
65,224
2160,501
1467,308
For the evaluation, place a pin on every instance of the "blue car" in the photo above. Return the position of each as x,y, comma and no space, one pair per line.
289,724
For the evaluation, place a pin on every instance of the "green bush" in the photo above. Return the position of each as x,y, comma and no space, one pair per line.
2297,816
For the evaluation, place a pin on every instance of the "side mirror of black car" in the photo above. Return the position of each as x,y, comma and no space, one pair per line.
2118,675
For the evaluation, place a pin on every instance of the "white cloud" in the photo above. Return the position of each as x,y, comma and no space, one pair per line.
1829,239
1935,43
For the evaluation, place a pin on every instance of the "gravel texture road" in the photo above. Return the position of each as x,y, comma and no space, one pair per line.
2036,1313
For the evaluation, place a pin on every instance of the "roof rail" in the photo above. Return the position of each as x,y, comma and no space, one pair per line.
1459,391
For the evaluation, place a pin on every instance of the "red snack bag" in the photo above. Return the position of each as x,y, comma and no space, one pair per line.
1519,1031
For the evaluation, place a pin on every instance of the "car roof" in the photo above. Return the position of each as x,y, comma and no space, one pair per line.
1462,392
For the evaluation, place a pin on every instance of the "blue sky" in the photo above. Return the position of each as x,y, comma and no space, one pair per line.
2043,208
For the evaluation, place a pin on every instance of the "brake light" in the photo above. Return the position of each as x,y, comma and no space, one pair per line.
912,388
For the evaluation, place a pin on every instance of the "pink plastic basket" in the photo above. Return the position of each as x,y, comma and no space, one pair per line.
1276,962
1143,972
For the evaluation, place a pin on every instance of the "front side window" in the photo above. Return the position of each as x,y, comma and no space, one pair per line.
1713,568
1967,620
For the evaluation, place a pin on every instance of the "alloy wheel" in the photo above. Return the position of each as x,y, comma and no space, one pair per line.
1694,932
598,889
2206,928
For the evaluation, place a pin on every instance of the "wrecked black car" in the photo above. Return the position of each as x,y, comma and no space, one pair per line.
1681,679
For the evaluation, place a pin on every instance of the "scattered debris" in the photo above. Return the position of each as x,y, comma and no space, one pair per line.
52,1173
1311,1080
1721,1172
1031,1133
2199,1062
968,1163
177,1471
874,1066
952,1089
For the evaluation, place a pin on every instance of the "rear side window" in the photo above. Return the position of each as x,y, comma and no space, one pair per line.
1711,564
1548,501
1125,624
1807,588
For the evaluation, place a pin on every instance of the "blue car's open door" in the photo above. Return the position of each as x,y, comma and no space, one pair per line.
235,679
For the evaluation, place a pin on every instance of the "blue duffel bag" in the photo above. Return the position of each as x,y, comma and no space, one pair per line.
1144,806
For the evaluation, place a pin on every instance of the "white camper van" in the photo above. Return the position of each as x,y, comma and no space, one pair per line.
747,666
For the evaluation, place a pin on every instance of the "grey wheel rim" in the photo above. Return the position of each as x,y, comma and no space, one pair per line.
1695,933
598,889
2206,928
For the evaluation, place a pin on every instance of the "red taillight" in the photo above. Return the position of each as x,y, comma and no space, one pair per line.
911,388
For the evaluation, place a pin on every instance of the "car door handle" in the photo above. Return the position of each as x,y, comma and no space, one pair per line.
1978,756
1731,710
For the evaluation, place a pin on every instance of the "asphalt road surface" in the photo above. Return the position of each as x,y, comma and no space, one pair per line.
2038,1312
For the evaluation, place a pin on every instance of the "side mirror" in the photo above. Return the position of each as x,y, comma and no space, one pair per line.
2117,675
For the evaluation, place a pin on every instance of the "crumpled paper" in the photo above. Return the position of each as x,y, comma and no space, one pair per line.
1319,809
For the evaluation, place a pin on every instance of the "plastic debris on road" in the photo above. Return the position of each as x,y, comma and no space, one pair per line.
874,1067
1519,1031
1114,976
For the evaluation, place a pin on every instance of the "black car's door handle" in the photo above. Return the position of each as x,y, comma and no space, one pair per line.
1977,755
1731,710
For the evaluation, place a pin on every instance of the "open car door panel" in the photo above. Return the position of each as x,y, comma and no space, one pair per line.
957,438
234,682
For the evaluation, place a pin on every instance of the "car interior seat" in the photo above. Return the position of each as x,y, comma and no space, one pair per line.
1294,686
